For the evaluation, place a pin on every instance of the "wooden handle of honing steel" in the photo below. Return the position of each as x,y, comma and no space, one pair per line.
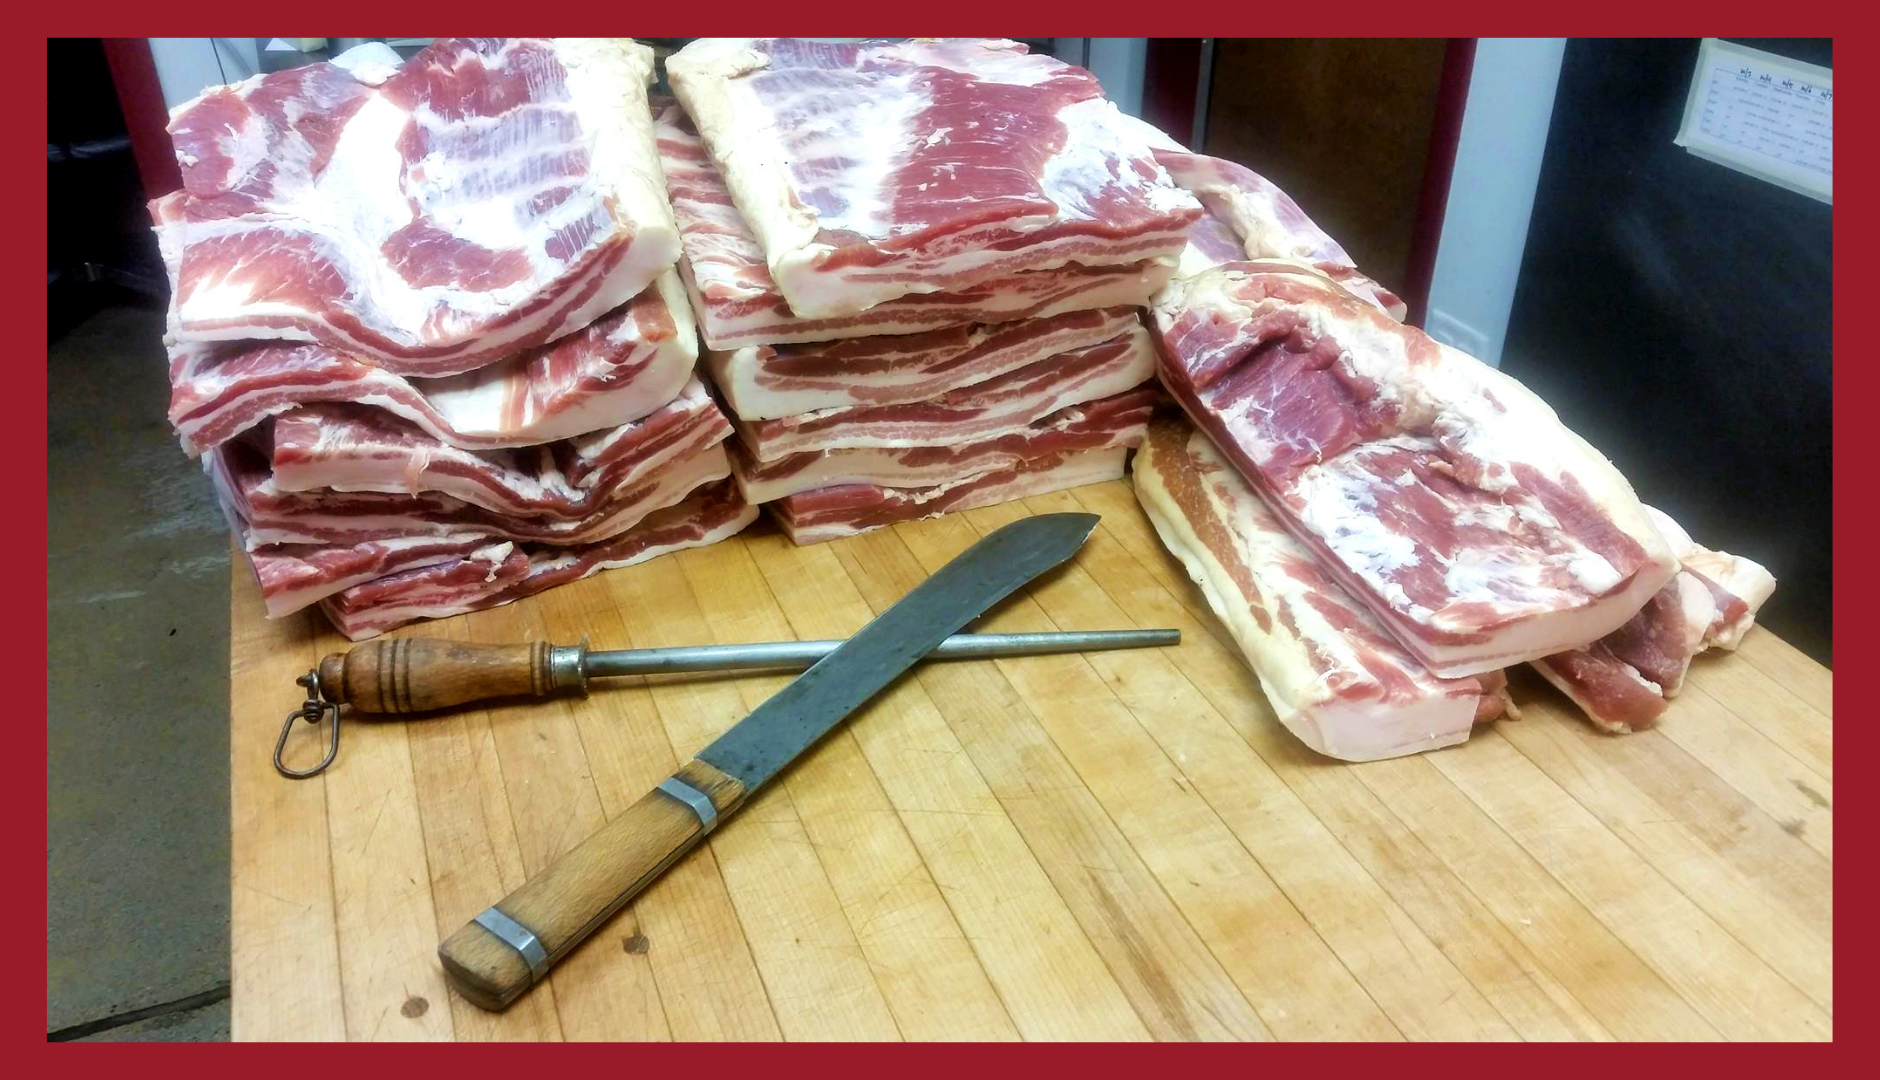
510,947
401,675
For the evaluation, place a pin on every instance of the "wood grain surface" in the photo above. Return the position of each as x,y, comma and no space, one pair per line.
1120,845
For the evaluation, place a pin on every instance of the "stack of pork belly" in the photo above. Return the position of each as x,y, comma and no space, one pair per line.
426,328
1385,524
918,269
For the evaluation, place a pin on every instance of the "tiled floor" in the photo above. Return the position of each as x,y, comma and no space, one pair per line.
137,813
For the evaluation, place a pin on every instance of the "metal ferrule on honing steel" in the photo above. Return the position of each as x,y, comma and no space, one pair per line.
567,667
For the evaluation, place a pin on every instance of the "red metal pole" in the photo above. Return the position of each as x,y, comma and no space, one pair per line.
146,118
1452,96
1171,77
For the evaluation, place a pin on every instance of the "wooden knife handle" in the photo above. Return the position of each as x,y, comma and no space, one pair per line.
401,675
555,910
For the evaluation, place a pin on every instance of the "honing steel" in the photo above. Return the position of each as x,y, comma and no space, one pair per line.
403,675
511,946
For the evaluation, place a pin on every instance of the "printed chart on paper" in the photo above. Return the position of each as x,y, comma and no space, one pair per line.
1764,115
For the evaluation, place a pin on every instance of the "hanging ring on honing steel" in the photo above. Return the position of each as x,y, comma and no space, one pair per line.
311,711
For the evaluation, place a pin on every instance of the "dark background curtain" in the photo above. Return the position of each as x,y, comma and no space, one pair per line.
1679,315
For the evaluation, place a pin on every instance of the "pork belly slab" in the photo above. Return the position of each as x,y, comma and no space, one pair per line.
1623,681
292,576
1334,677
1004,405
765,382
267,515
1738,587
1113,422
617,369
1441,493
486,197
1250,217
491,575
1611,692
870,171
739,305
351,448
831,513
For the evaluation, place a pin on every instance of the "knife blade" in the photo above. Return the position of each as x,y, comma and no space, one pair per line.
512,945
814,702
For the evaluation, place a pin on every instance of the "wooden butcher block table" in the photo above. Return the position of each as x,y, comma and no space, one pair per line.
1123,845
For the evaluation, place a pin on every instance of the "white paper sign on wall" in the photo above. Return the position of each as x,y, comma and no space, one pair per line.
1762,114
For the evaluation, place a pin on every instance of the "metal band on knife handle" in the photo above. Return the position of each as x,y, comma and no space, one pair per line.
518,937
524,941
694,799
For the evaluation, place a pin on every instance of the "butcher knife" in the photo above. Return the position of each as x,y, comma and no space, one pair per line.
512,945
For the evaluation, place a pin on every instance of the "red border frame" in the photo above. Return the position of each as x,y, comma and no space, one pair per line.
25,435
